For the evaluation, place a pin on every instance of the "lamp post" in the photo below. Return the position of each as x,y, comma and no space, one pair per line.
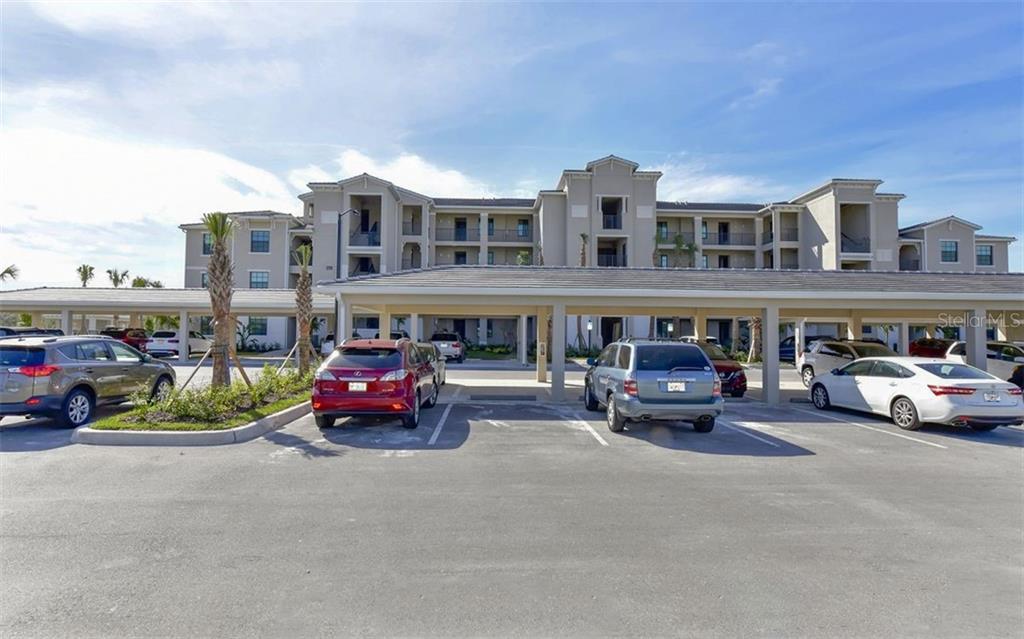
337,256
670,328
590,328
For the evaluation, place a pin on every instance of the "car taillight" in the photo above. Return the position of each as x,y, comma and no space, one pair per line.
456,345
630,388
38,370
394,376
950,390
716,390
1014,391
325,375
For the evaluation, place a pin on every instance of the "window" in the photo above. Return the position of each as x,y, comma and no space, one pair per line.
388,358
950,251
207,244
663,260
123,353
623,359
460,257
206,325
669,357
703,230
93,352
607,356
259,241
858,368
836,350
984,255
204,279
259,279
490,227
723,261
954,371
889,369
490,257
523,228
662,231
257,326
703,261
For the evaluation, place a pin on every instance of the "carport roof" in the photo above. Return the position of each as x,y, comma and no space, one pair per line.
660,282
155,300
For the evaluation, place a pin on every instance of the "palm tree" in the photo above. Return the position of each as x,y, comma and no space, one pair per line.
755,337
681,247
117,278
11,272
584,240
144,282
303,304
220,276
85,273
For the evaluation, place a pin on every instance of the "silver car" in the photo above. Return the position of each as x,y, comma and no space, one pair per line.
641,380
68,377
450,345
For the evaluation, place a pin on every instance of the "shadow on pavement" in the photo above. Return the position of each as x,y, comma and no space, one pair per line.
721,441
303,446
382,433
31,435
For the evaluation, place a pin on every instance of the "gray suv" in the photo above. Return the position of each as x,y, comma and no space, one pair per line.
67,377
640,380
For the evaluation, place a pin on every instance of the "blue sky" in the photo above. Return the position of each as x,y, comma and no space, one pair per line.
121,121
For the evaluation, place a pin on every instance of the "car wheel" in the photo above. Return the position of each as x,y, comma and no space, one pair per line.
77,409
904,414
819,397
589,401
460,359
615,421
806,375
412,421
983,427
704,426
323,421
163,388
432,400
737,394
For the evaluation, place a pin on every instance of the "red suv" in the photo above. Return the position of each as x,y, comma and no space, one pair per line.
374,377
930,347
134,337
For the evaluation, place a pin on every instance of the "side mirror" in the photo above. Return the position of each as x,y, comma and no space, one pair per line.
836,371
847,356
591,361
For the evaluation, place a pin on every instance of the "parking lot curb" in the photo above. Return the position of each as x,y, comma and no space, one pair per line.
244,433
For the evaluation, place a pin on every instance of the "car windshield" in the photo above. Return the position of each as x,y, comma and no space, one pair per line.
365,358
444,337
20,356
713,352
666,357
954,371
164,334
872,350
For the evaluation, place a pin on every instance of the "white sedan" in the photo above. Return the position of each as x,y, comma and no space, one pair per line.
169,342
916,390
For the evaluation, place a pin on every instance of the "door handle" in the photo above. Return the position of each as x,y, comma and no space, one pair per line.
89,370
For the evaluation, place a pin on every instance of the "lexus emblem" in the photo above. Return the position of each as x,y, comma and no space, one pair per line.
358,374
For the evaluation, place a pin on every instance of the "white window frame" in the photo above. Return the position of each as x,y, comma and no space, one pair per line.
270,241
942,261
992,254
202,244
258,270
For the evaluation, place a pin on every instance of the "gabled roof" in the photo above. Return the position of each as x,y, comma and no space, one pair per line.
266,214
995,238
709,206
485,202
941,220
820,189
612,158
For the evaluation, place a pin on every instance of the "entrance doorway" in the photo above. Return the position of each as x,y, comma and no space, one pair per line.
611,329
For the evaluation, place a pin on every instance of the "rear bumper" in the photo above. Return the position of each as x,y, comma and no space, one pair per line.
46,405
633,408
948,412
348,407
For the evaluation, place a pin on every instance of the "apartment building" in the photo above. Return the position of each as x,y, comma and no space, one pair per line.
605,214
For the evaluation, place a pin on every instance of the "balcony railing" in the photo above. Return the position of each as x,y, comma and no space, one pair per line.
457,234
452,262
730,239
411,228
767,237
610,260
789,235
670,237
910,265
362,271
411,264
510,235
371,238
790,266
855,244
611,221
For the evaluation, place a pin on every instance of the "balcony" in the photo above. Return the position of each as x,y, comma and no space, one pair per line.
670,237
411,263
611,222
790,266
855,244
411,228
910,265
457,234
510,235
371,238
729,239
789,235
610,260
767,237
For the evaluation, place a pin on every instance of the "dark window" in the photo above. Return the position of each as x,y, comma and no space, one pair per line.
490,257
93,352
460,257
204,280
523,228
490,227
257,326
444,337
19,356
954,371
259,279
669,357
713,352
207,244
889,369
835,350
123,353
950,251
663,260
662,231
872,350
623,359
858,368
984,254
723,261
607,357
259,241
958,349
415,357
345,357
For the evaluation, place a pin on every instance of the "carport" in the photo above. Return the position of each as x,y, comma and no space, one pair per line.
136,302
976,301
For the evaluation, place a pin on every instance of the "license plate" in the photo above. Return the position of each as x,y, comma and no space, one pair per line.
991,397
442,345
676,387
357,386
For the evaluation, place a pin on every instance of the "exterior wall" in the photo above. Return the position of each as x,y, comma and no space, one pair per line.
933,236
885,235
552,227
1000,256
819,248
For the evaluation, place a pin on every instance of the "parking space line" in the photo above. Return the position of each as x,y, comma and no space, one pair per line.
440,425
874,428
743,431
589,428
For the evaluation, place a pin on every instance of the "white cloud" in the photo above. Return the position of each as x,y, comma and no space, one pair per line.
766,51
406,170
765,89
692,181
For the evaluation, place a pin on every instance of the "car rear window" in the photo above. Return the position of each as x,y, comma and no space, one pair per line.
444,337
137,333
713,352
21,356
666,358
365,358
164,334
113,332
873,350
954,371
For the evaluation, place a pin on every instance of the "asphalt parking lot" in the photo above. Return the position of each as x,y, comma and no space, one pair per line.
498,517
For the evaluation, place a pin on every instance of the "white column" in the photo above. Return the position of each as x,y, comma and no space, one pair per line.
758,232
854,327
65,321
484,239
343,224
384,323
904,338
558,352
776,247
414,326
976,355
770,354
522,339
542,343
799,334
698,241
700,326
183,336
343,328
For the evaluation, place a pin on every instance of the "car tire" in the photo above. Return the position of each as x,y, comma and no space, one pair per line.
705,426
904,414
77,409
737,394
412,421
819,397
982,428
162,388
432,400
589,401
615,420
459,360
806,375
323,421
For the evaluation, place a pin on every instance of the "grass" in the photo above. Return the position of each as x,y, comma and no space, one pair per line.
482,354
118,422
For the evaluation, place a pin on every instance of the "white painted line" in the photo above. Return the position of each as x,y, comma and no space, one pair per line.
874,428
440,425
458,390
589,429
747,433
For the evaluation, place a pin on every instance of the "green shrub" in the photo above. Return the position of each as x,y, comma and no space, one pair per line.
212,404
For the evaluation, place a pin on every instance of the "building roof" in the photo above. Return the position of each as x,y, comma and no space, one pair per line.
485,202
995,238
709,206
639,282
162,300
948,218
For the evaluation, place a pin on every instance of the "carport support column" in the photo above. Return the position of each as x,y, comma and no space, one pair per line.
414,326
854,327
542,344
976,347
183,336
700,326
770,354
904,338
558,353
522,339
799,334
65,321
343,330
37,319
